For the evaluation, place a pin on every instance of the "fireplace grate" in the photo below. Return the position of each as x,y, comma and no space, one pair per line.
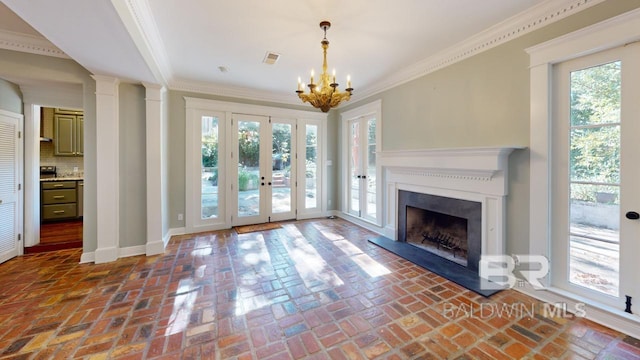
445,241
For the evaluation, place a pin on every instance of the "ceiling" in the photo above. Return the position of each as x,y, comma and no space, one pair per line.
182,44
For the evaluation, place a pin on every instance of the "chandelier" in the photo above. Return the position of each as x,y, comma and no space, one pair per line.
325,94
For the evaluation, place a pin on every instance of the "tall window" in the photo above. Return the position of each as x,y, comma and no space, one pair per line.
311,176
205,170
361,193
584,202
594,175
210,169
311,167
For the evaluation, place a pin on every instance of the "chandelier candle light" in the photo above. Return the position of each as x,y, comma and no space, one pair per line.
324,95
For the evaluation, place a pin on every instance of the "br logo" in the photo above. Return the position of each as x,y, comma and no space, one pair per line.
496,271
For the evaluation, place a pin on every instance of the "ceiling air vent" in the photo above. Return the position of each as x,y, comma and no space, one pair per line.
270,58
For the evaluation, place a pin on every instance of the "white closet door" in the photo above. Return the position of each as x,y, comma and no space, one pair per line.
10,200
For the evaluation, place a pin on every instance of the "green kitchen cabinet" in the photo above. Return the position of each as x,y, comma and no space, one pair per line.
59,200
68,135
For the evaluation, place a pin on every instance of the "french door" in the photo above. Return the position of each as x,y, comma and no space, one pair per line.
596,199
362,187
264,169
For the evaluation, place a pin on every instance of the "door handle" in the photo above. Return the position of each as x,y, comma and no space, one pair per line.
632,215
359,176
58,185
59,197
58,211
269,183
262,184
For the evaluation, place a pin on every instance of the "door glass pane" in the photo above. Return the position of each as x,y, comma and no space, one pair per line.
594,161
281,167
248,168
209,167
371,168
311,166
355,167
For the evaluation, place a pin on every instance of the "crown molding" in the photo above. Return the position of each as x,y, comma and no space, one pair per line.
138,19
521,24
235,92
30,44
242,93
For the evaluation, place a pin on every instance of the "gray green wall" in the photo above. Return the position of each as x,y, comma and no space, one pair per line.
481,101
10,97
133,168
50,69
333,155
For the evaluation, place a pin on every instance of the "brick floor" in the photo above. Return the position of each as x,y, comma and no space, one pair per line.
310,290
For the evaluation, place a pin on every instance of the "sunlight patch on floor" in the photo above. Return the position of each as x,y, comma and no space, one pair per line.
254,254
183,302
364,261
308,262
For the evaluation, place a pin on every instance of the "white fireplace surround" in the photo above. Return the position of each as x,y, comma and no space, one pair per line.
474,174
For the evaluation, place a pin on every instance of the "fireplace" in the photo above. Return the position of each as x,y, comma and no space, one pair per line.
438,233
447,227
462,185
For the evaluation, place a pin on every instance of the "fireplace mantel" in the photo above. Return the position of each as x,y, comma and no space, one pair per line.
485,166
475,174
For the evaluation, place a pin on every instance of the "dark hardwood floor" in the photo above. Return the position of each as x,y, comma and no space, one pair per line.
58,236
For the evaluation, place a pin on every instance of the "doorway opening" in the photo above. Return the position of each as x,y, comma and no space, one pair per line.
61,187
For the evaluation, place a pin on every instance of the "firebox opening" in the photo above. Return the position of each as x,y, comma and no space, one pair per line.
441,234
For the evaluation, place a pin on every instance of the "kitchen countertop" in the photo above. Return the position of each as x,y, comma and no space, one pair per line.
65,178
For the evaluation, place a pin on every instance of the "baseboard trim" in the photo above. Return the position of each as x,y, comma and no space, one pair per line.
87,257
155,247
105,255
365,224
113,254
132,251
603,315
173,232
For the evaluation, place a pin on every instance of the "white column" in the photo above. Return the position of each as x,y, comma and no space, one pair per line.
108,168
31,174
155,243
